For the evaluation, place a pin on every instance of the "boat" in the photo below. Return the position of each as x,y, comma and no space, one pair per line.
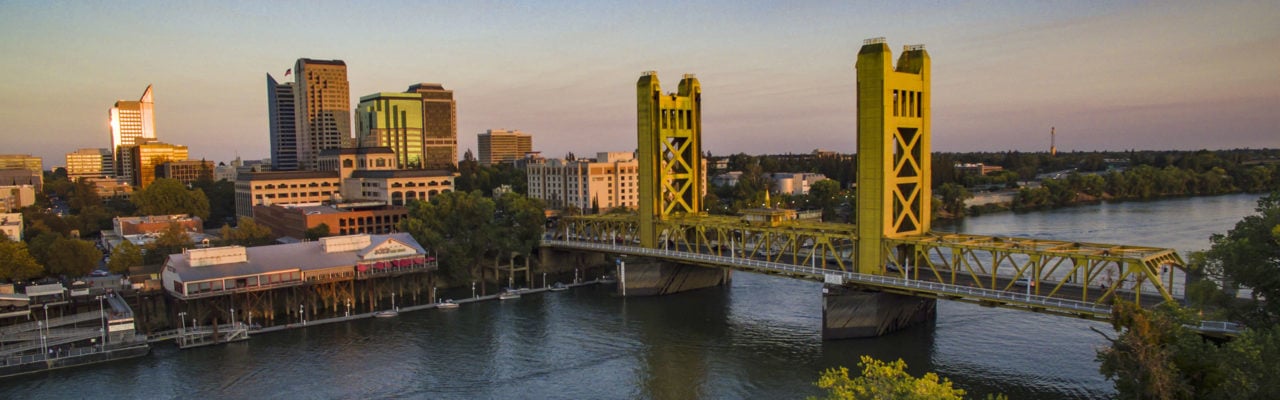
386,313
607,279
508,295
447,304
558,287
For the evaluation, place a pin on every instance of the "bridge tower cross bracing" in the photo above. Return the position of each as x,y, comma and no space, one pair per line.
669,128
894,167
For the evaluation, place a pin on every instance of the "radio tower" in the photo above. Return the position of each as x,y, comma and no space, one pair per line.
1053,145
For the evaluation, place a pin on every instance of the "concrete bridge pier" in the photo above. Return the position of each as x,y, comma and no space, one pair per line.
645,277
849,313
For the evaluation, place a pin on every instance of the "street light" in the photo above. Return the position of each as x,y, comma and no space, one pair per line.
473,289
348,306
44,342
233,317
102,314
302,314
182,318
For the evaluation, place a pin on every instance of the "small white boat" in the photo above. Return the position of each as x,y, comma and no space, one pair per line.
558,287
386,313
509,295
447,304
608,279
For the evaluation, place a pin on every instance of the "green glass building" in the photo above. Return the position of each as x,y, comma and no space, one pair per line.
392,120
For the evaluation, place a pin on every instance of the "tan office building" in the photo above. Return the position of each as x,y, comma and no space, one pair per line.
609,181
144,158
498,146
439,126
322,102
90,163
132,123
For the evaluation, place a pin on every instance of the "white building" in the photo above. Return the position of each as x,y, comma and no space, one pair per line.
608,181
794,183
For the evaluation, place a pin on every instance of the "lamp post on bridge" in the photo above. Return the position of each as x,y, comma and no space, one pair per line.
102,315
182,334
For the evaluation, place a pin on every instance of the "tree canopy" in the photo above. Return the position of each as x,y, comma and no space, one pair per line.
885,381
125,255
1249,256
16,263
465,229
169,196
247,233
72,257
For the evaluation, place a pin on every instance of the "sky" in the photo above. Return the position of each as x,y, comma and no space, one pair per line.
777,77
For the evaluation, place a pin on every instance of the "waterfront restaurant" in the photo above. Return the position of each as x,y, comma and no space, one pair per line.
219,271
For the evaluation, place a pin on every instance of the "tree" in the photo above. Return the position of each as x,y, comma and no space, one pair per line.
458,227
247,233
519,222
881,380
16,263
318,231
953,197
168,196
124,256
222,200
172,240
72,257
825,195
1249,255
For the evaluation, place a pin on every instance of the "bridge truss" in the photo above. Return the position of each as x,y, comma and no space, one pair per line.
1079,271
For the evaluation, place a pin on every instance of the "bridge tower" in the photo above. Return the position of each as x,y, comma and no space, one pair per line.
669,128
894,178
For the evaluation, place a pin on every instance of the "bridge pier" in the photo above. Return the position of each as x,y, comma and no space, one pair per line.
639,277
849,313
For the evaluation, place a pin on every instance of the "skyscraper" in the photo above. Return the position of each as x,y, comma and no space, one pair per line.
439,126
131,121
498,146
284,127
322,104
392,120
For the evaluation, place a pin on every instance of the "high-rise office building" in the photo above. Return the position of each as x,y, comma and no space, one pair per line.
21,169
439,126
284,127
392,120
498,146
90,163
145,157
131,121
322,104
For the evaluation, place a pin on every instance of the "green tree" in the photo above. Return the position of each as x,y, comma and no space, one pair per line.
1249,255
318,231
72,257
519,222
222,200
458,227
885,381
124,256
826,195
16,263
953,197
42,245
168,196
172,240
247,233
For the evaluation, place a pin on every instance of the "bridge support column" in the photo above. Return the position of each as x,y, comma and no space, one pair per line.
853,313
655,278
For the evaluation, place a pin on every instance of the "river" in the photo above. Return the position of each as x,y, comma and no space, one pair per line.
758,338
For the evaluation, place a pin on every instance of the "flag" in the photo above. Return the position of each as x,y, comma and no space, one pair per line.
288,71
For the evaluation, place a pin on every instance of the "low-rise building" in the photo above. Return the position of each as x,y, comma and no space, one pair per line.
608,181
143,230
111,188
90,163
226,270
11,226
978,169
341,219
186,171
349,175
15,197
794,183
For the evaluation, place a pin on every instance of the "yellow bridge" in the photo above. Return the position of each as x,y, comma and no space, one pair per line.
891,249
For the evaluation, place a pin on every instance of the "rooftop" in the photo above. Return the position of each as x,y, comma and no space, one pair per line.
330,252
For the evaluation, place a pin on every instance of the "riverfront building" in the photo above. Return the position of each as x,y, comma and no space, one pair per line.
131,123
221,271
498,146
90,163
439,126
322,107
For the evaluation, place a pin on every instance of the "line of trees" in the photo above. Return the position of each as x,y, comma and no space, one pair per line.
469,230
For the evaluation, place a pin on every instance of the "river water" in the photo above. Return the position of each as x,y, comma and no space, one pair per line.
758,338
